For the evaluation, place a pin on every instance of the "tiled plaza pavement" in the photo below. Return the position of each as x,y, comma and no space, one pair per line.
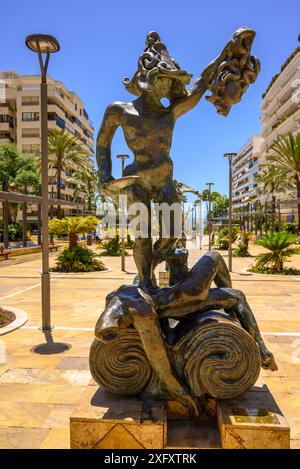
38,392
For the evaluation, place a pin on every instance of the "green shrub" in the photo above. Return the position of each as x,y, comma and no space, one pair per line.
112,247
278,245
241,250
78,259
268,270
222,238
15,232
290,227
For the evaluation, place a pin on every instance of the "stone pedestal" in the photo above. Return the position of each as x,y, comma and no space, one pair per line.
106,421
253,421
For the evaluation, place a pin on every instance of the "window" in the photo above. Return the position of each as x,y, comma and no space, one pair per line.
30,100
75,107
30,133
60,122
30,148
30,116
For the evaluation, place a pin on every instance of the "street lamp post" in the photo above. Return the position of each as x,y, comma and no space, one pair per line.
123,158
44,44
209,184
230,156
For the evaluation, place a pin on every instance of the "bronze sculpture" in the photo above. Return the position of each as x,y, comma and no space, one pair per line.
137,350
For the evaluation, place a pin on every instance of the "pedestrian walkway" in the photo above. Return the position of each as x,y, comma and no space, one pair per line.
38,391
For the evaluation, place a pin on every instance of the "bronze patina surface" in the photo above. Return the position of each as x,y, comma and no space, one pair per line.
189,340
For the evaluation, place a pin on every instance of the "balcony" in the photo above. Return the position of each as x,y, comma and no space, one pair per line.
6,122
289,125
52,116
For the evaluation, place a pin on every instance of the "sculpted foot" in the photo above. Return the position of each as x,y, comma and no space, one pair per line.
267,357
192,404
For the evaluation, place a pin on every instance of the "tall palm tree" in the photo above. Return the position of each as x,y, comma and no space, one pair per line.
65,153
272,179
285,155
86,181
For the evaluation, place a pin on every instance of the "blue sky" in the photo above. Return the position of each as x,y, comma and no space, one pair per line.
101,42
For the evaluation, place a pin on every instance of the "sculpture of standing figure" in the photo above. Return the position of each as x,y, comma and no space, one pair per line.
135,316
148,125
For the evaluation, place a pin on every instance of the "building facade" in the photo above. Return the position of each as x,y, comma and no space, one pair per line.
20,122
244,187
281,115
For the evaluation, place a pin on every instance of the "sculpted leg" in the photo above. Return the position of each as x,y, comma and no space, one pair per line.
142,254
142,251
145,321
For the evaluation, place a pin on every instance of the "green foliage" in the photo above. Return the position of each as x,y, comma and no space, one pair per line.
289,227
78,259
220,205
112,247
269,271
86,182
15,232
65,152
205,195
241,250
129,244
222,239
73,226
272,179
285,156
278,245
20,169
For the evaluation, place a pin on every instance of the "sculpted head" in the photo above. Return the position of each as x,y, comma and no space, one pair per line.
237,71
158,72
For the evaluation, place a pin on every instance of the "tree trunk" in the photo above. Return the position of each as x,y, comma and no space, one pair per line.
58,182
298,196
72,240
273,212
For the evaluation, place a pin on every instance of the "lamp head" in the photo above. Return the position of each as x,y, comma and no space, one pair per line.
122,157
43,43
230,155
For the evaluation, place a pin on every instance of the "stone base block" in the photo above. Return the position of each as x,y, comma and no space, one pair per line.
106,421
253,421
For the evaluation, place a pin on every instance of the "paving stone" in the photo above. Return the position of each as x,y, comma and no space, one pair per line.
57,438
22,438
72,363
20,414
59,416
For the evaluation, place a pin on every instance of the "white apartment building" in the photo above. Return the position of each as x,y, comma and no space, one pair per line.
20,121
281,115
244,169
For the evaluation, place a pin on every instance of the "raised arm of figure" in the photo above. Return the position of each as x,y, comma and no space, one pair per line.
200,85
110,123
197,89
